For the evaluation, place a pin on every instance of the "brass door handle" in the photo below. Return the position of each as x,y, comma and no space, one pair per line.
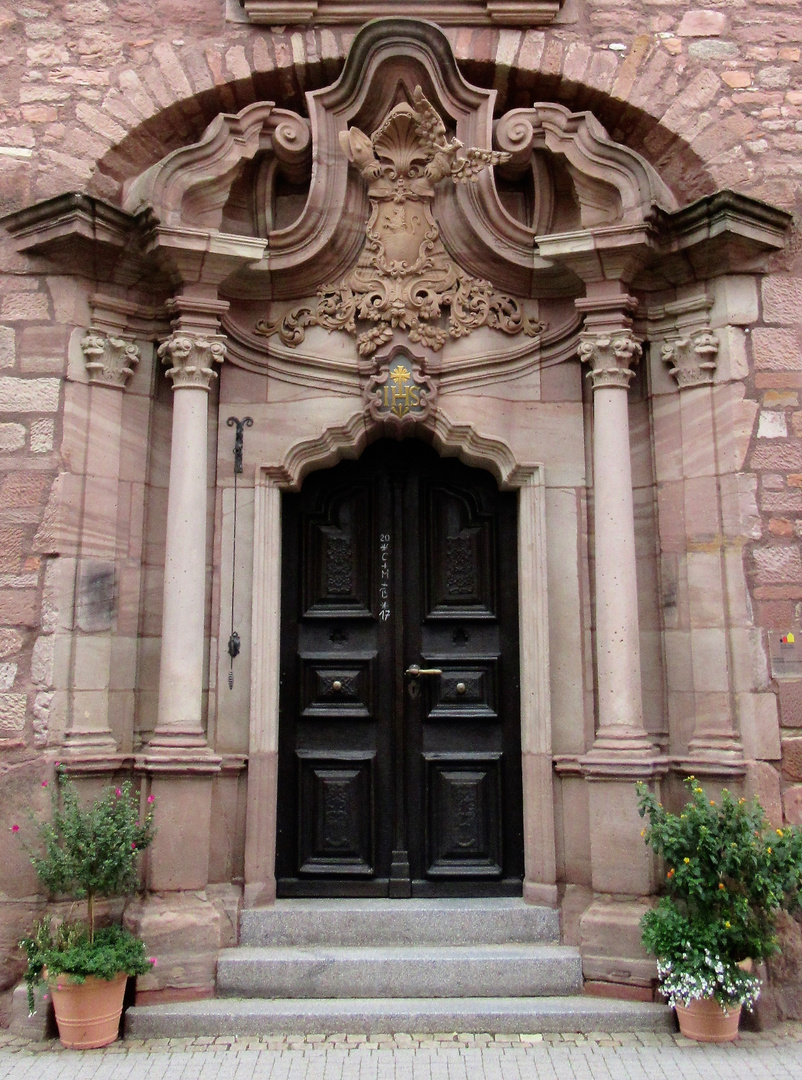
416,671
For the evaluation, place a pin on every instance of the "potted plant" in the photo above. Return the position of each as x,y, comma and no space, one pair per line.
85,853
727,875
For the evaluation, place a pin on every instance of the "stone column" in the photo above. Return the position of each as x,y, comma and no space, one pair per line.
110,361
611,351
190,358
622,751
178,760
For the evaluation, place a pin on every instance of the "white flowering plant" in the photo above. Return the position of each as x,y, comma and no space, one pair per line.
688,979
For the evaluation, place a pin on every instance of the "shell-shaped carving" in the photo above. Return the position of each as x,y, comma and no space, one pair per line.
398,143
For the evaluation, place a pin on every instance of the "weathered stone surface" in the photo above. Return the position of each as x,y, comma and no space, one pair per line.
782,299
12,715
763,783
12,437
792,805
28,395
610,942
702,22
792,759
182,930
785,970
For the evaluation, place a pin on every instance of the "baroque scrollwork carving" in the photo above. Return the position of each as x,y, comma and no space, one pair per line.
612,357
692,358
405,279
110,359
191,357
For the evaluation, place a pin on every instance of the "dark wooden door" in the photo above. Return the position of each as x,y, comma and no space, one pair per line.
391,782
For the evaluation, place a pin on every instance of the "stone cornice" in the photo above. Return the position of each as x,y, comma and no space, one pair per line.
447,12
70,216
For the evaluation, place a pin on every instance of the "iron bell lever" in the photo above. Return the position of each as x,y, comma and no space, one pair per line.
417,671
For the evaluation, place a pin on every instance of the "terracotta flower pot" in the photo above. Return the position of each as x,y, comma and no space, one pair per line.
88,1014
706,1021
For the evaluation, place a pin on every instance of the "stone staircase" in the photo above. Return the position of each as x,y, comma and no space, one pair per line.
383,966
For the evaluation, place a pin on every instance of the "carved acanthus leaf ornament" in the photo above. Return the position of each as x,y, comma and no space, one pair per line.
405,278
110,359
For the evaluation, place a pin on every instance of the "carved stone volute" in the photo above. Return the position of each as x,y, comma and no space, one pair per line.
110,358
692,357
612,357
190,358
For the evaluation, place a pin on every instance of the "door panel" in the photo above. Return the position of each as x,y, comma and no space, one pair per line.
392,783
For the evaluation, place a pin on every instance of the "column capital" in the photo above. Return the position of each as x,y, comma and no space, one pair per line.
692,357
190,358
611,355
110,358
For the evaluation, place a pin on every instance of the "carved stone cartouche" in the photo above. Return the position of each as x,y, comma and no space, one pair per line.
405,278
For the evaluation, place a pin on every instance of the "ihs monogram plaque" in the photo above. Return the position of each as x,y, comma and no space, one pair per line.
399,393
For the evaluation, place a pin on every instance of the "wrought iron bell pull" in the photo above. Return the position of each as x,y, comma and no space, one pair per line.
234,643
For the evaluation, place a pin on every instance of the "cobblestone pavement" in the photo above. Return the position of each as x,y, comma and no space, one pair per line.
771,1055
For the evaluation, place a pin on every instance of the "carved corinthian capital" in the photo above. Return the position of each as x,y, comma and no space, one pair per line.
611,356
692,358
190,358
110,359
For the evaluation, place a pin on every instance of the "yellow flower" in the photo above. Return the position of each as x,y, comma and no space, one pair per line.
741,802
698,790
643,832
686,860
779,832
727,925
769,850
721,885
712,802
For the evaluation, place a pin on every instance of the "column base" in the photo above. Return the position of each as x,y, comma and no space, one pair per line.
89,742
715,746
727,766
178,759
623,739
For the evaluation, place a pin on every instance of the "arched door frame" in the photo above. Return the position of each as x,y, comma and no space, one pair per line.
472,448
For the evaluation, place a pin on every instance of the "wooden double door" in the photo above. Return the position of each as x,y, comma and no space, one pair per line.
399,732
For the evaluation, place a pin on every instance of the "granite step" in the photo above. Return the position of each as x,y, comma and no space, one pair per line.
360,922
408,971
374,1016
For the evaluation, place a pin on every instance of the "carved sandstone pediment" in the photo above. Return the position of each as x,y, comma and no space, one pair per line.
405,279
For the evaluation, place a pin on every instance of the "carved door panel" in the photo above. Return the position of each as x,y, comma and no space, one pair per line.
399,758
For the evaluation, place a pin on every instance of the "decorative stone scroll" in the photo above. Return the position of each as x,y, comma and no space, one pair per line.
692,358
192,357
405,279
400,393
110,360
611,357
